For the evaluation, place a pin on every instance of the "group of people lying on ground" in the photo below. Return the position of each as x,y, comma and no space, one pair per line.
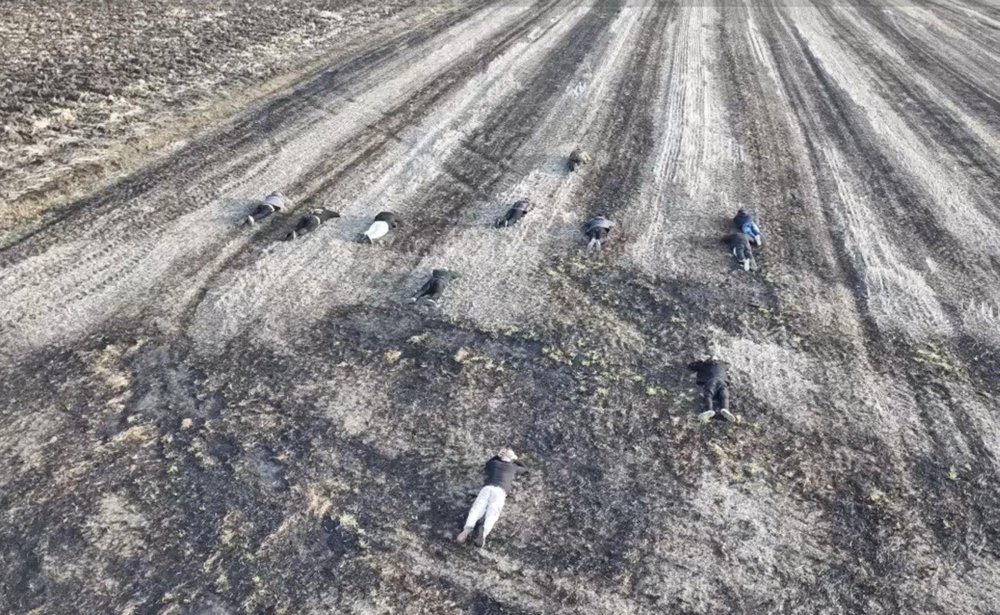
504,467
710,373
596,230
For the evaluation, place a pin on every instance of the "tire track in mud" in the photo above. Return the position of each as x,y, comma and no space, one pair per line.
888,353
946,134
629,127
324,177
839,122
628,139
486,155
198,258
817,91
370,143
207,151
921,111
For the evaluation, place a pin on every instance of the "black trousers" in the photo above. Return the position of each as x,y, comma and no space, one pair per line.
262,211
431,289
716,394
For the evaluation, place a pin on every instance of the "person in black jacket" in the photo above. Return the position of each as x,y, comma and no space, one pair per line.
596,230
513,215
711,375
432,288
310,223
500,473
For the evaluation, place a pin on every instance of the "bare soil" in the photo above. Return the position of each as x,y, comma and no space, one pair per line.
201,418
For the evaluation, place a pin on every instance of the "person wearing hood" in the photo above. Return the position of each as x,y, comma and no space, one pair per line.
500,473
712,375
385,222
597,230
272,203
434,287
310,222
744,223
577,158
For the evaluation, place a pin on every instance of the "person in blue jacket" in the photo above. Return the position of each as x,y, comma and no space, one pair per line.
745,224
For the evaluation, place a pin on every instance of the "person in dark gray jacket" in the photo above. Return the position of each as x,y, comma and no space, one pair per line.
500,473
597,230
712,375
310,222
577,159
272,203
513,215
434,287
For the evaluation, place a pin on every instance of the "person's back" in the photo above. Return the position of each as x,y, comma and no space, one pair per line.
707,370
513,215
745,224
434,287
500,473
597,230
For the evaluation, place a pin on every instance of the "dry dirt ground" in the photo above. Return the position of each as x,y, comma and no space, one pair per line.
198,418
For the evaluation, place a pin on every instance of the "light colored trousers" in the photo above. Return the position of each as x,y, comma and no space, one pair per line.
488,504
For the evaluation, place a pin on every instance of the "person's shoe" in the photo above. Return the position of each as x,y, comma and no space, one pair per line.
462,536
746,265
249,221
432,302
481,540
706,416
759,240
413,299
729,416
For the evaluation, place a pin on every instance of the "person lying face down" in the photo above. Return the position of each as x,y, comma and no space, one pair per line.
597,230
434,287
513,215
272,203
577,158
384,223
310,222
501,470
744,223
742,251
712,375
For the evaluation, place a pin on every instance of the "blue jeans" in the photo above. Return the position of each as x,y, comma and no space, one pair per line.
750,229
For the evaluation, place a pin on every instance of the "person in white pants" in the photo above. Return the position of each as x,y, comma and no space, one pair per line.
500,473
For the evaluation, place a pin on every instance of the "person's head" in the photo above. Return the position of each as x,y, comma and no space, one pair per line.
507,454
440,273
741,212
